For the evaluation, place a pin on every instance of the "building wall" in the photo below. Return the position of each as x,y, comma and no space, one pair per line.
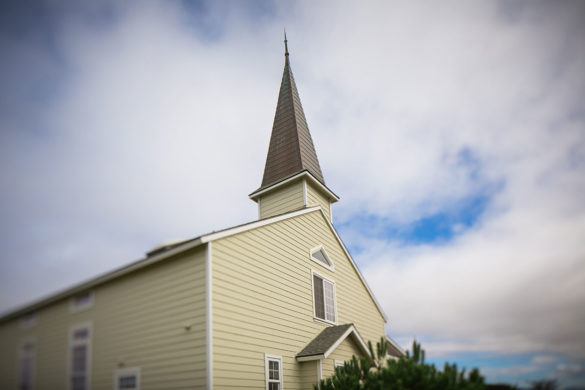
343,352
316,198
281,200
262,300
138,320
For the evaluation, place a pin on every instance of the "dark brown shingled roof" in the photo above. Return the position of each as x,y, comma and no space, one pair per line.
291,147
324,340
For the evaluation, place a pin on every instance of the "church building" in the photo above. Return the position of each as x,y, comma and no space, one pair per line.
273,304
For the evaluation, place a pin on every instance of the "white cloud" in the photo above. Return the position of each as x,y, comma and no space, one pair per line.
155,124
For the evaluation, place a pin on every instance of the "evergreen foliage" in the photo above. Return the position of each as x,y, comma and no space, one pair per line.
406,373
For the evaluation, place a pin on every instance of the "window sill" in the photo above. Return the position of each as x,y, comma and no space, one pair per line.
330,323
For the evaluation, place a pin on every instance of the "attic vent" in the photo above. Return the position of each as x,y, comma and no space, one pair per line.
164,246
319,255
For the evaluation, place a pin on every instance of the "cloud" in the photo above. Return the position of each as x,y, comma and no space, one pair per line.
125,125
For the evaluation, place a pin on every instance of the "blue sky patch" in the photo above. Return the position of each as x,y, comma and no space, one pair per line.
436,229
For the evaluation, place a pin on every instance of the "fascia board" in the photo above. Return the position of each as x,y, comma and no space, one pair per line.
254,195
310,358
255,225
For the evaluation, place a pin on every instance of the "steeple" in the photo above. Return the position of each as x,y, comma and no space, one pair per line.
291,147
292,176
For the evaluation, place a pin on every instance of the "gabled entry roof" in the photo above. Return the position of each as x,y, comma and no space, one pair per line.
328,340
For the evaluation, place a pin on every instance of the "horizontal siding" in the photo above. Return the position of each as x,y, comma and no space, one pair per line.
282,200
138,320
316,198
262,300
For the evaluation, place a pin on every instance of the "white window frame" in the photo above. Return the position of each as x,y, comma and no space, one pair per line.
330,266
268,358
135,371
23,354
74,343
338,363
75,306
313,273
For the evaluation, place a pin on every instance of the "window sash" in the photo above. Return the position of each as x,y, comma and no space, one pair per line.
273,372
324,298
79,357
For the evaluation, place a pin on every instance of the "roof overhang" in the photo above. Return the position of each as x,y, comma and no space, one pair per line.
147,261
287,180
181,247
325,354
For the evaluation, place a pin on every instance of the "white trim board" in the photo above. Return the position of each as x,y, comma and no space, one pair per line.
208,318
334,198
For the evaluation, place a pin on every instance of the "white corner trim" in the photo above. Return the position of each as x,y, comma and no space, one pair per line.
322,248
304,192
330,212
357,270
208,318
254,225
319,370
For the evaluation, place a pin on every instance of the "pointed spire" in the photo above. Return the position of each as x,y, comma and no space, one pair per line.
291,147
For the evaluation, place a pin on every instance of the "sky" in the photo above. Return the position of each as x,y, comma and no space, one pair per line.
453,131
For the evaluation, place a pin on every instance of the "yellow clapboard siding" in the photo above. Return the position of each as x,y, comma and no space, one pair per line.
263,303
281,200
316,198
137,320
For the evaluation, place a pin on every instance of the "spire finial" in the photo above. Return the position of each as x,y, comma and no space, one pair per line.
285,44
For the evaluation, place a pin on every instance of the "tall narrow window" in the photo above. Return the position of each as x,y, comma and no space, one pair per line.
324,298
79,357
26,361
273,365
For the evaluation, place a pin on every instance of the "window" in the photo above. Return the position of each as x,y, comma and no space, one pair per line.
81,301
28,320
338,363
26,360
79,357
324,299
319,255
127,379
273,365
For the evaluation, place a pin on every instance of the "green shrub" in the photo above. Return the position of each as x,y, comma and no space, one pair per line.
406,373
